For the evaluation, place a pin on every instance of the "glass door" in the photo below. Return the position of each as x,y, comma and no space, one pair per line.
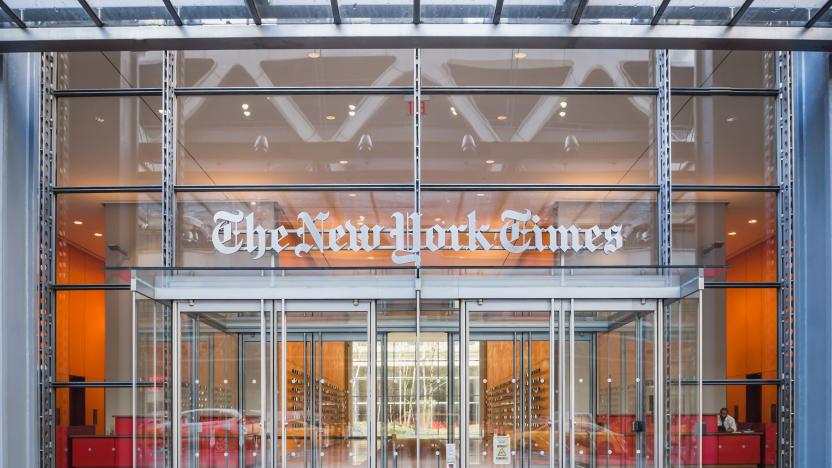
609,382
223,384
327,384
512,384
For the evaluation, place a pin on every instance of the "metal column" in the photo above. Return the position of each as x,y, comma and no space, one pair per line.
785,266
463,384
371,385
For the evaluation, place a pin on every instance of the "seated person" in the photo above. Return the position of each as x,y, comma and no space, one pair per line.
725,422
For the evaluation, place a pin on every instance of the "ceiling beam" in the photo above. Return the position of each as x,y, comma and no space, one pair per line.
336,13
172,12
819,14
12,15
659,12
380,36
740,12
255,15
91,13
579,12
498,12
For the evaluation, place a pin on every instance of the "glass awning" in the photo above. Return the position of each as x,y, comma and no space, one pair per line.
173,13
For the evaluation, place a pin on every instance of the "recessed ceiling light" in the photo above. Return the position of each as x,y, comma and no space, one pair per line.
361,217
343,161
99,119
247,113
562,113
370,258
454,112
353,195
254,203
314,54
351,113
77,222
489,161
752,221
161,111
519,55
244,106
351,107
563,104
480,194
330,117
731,119
502,117
98,234
732,233
437,219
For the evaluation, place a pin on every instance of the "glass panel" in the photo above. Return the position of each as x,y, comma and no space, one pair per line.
376,11
100,230
327,388
739,333
439,381
94,336
131,12
536,67
539,11
212,11
195,224
396,383
781,12
295,140
295,11
221,388
509,389
724,140
96,70
40,13
300,67
753,409
539,139
620,11
634,212
722,68
701,12
685,436
458,11
735,229
110,141
152,426
613,384
94,426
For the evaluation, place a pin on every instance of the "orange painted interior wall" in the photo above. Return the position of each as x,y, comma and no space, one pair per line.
751,325
80,334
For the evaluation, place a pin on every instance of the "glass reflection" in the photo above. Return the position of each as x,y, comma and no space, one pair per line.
537,67
108,69
734,229
547,139
724,140
722,68
249,140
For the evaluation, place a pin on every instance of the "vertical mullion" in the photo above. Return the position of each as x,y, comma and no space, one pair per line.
283,400
572,382
263,411
176,325
699,374
418,376
659,402
134,376
463,384
417,156
371,385
562,383
551,381
785,266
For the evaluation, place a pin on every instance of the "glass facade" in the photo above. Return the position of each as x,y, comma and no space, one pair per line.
354,169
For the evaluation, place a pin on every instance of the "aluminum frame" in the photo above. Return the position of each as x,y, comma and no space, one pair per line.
362,36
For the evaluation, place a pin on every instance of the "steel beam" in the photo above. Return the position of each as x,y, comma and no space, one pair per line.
498,12
172,12
12,15
659,13
369,36
255,14
741,11
819,14
579,12
91,13
336,13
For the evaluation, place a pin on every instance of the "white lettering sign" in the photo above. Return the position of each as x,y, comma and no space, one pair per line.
520,232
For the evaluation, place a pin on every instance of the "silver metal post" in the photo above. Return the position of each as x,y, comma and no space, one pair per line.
283,421
551,381
562,383
263,409
463,384
371,385
418,376
659,407
134,376
699,375
572,381
177,386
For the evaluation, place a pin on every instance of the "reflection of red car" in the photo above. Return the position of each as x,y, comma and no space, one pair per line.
605,440
218,422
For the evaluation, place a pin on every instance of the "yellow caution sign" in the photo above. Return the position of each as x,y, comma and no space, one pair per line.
502,450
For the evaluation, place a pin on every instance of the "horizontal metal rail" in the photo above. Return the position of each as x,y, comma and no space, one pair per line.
718,91
109,189
293,91
741,285
108,92
119,384
537,90
724,188
91,287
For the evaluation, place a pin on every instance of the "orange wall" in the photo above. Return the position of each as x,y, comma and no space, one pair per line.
751,325
80,336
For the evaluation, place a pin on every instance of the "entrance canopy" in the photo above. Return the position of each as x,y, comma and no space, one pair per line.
361,284
224,24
